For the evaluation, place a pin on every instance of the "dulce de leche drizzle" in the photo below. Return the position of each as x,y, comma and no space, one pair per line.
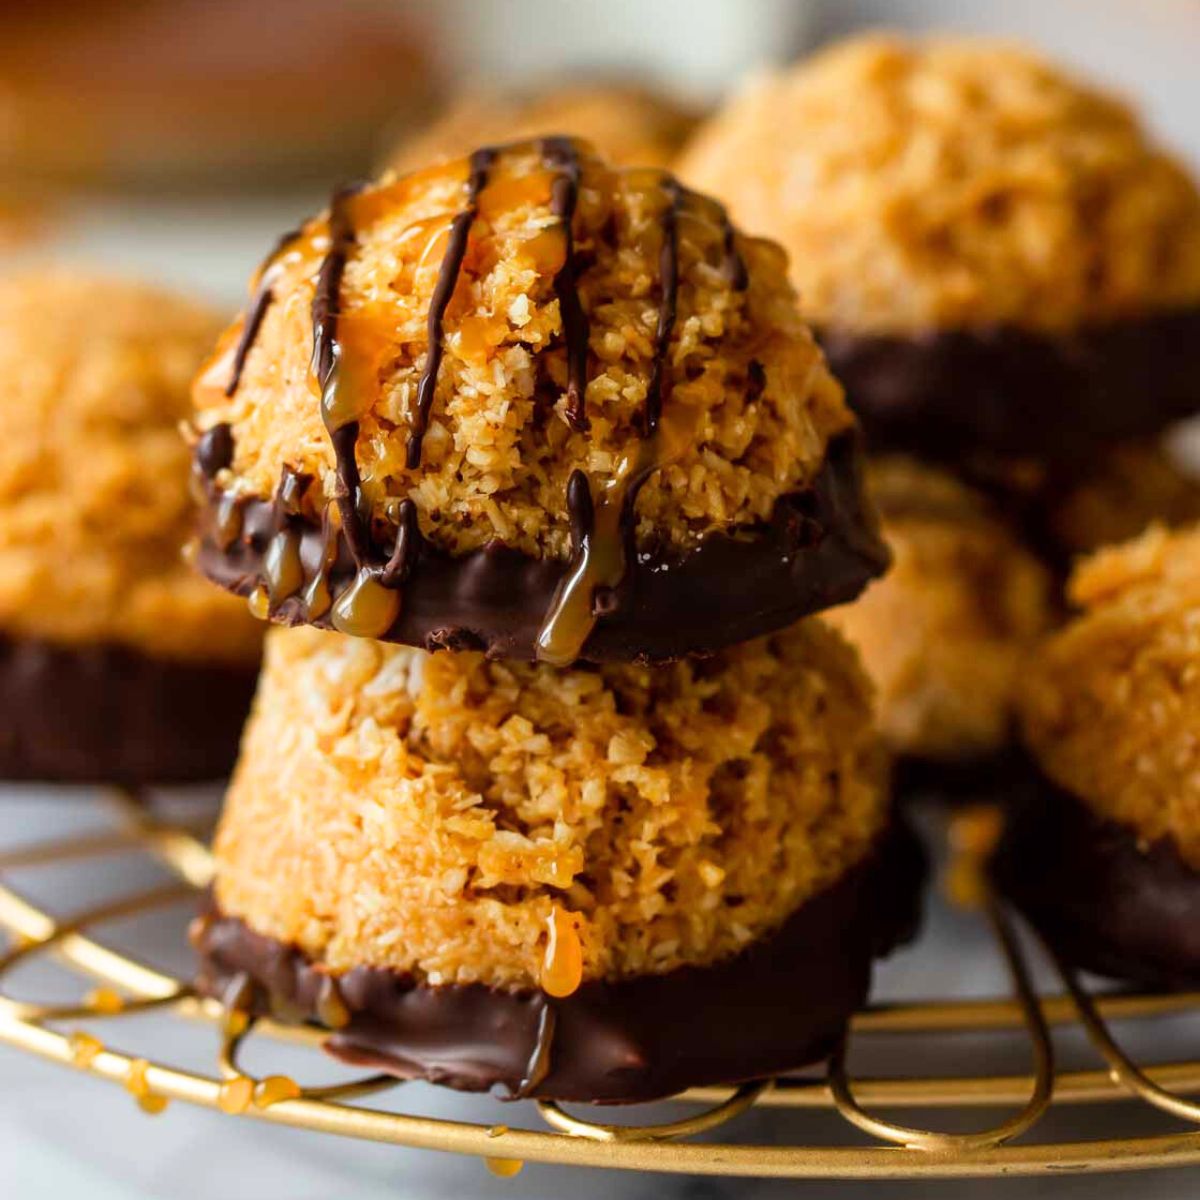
347,577
602,515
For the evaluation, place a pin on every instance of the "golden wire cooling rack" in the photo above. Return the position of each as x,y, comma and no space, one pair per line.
117,985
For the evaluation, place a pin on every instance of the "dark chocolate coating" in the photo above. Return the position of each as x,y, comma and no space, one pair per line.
820,548
107,714
780,1004
1013,391
1106,902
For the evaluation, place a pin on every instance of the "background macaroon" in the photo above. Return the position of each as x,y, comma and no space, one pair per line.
1005,273
117,662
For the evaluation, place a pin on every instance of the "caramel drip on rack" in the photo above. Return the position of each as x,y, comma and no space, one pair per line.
602,524
560,153
447,280
343,433
264,297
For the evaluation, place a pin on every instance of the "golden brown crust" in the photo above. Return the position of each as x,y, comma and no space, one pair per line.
428,813
1111,703
94,507
953,182
746,389
943,634
630,126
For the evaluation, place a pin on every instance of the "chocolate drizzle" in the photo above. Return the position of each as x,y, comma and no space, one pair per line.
668,269
781,1003
263,298
326,356
560,153
447,280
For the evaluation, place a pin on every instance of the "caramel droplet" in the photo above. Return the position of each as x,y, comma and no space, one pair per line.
234,1095
562,967
227,522
259,603
496,1131
104,1000
135,1078
282,567
316,597
84,1048
136,1085
331,1008
274,1089
237,1021
504,1168
366,608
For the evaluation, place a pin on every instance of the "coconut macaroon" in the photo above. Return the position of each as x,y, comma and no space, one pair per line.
560,881
1106,856
631,126
117,662
993,251
943,635
505,402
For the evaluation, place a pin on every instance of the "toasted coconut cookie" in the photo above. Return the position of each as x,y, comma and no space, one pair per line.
116,659
631,126
1106,856
489,842
993,251
944,633
505,402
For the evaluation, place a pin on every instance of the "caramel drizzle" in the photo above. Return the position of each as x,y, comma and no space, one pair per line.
264,297
561,154
456,248
602,526
326,354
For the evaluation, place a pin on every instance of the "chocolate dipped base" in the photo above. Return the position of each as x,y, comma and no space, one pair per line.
780,1004
1014,391
819,548
106,714
1105,901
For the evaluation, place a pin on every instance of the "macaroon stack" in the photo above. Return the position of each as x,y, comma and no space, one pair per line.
1005,273
554,787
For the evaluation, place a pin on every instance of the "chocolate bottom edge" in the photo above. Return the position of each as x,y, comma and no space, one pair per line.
1106,902
819,548
779,1005
1009,390
106,714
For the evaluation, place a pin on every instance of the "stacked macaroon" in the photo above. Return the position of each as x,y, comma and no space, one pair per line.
117,664
553,790
1005,274
1104,854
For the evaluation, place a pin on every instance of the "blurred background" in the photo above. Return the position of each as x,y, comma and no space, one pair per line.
174,141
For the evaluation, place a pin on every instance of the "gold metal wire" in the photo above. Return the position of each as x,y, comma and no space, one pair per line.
895,1151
